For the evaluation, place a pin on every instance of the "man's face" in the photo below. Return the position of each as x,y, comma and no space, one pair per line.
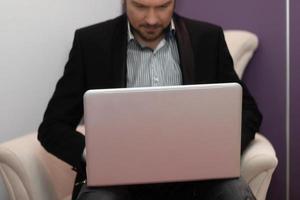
149,18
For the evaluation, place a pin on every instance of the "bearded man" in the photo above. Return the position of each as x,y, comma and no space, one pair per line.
149,45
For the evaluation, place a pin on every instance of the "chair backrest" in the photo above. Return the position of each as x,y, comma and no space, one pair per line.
242,45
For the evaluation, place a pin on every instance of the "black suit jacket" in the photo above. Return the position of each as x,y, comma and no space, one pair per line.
98,60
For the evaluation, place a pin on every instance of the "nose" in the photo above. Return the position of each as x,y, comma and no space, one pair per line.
151,17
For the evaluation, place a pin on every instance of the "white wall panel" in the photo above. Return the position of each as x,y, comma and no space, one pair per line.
35,40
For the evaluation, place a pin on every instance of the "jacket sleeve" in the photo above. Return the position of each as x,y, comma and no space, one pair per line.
251,116
57,132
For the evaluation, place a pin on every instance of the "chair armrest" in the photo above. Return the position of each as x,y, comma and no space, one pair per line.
258,163
29,172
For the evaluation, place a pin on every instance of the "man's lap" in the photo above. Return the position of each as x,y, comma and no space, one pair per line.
233,189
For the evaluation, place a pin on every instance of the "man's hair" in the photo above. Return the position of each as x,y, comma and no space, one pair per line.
124,5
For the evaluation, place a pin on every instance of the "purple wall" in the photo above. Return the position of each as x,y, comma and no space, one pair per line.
295,99
266,74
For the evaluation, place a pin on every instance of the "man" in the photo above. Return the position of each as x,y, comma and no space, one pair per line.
150,45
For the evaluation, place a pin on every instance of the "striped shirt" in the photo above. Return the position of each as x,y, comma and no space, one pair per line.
158,67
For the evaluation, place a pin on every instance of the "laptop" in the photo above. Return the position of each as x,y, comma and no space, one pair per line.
162,134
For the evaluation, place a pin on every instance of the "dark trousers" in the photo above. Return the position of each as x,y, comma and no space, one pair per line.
227,189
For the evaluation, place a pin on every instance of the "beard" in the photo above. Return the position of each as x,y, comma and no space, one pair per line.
150,33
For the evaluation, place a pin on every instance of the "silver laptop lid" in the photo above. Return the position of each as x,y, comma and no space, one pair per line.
162,134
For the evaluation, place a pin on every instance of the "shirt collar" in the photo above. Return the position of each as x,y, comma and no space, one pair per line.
131,36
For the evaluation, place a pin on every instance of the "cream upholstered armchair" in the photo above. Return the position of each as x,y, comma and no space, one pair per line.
259,159
30,173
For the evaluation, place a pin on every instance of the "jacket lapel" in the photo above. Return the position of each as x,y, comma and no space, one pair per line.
185,51
119,54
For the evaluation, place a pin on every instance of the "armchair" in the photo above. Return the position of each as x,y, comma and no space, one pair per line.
259,160
30,173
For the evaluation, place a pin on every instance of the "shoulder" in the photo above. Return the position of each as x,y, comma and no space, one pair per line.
196,27
104,29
